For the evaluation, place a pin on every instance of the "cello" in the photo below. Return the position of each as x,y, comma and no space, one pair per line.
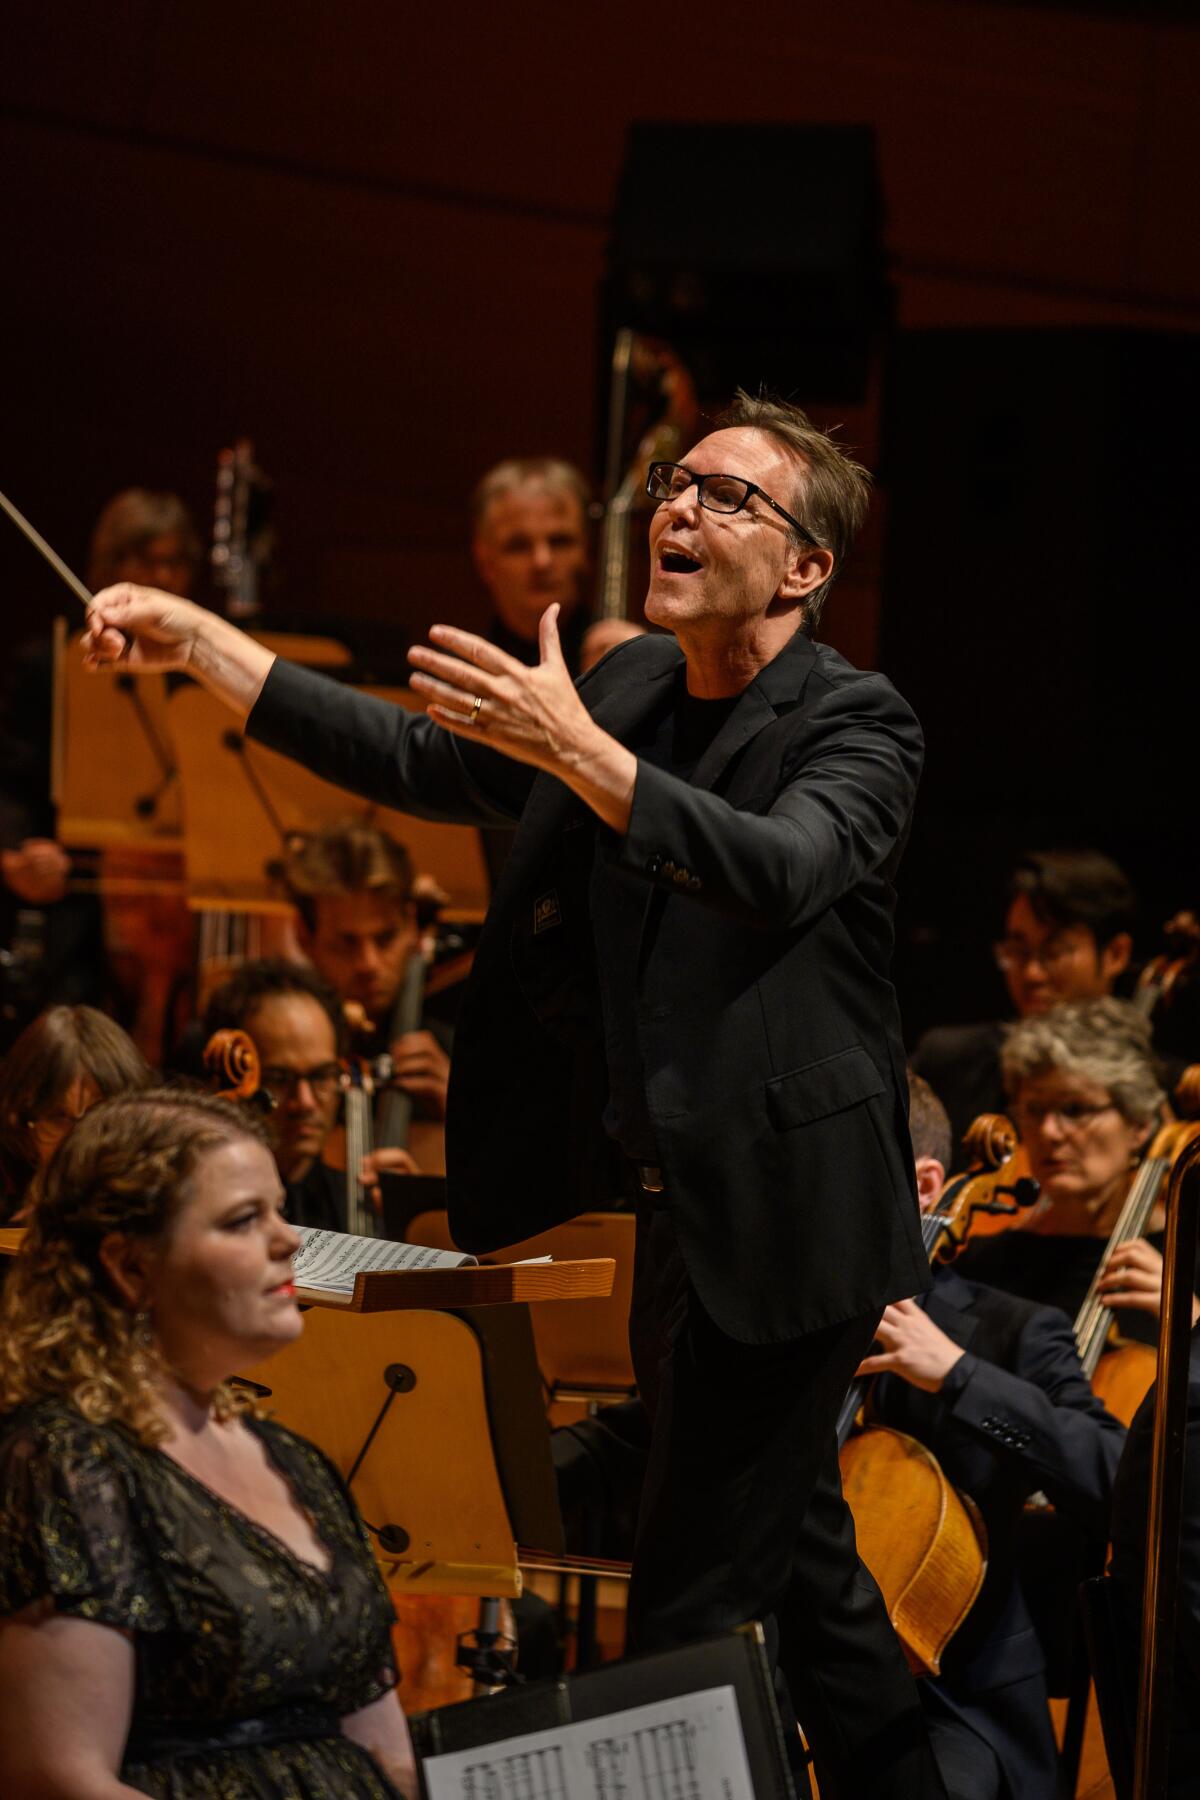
921,1539
1121,1371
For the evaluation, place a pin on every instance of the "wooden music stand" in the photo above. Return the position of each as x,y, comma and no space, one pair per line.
583,1353
113,755
242,801
304,648
435,1420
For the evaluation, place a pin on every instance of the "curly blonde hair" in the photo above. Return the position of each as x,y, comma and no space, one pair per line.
65,1330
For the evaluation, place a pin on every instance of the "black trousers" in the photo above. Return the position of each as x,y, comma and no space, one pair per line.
742,1517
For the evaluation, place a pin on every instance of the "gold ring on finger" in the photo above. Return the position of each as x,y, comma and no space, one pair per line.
476,709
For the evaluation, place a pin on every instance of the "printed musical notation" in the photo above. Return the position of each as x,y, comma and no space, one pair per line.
687,1748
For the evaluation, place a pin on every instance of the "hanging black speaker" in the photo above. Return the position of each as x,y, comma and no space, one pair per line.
755,250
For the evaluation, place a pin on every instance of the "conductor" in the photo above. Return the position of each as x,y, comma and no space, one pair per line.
686,958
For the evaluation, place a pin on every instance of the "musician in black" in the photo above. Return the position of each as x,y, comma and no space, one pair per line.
1067,935
992,1385
353,889
298,1028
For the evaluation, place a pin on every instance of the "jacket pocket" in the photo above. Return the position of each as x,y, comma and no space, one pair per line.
829,1086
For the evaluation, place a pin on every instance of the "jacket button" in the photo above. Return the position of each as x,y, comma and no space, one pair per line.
668,871
694,884
653,864
681,878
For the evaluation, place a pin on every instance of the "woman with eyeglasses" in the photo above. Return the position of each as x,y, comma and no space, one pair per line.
66,1060
1086,1097
188,1602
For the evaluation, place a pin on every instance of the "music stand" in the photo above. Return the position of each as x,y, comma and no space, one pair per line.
242,802
116,773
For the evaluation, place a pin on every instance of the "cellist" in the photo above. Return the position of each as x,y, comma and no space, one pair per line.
353,889
992,1385
296,1024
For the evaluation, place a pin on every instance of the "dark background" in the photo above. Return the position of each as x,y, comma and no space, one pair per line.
372,238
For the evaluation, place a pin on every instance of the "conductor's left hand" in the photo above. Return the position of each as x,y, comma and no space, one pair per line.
531,714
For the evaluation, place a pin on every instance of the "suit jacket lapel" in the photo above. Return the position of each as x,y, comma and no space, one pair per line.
773,688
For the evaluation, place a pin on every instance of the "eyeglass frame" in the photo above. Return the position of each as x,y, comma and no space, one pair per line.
323,1080
1008,954
728,512
1070,1121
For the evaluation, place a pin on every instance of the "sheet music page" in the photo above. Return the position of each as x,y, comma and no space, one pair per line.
331,1259
688,1748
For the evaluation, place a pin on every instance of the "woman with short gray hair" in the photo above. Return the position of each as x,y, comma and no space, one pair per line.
1086,1095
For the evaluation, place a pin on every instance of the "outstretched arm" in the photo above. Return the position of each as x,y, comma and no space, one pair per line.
141,628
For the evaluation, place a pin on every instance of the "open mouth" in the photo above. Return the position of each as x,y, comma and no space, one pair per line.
676,562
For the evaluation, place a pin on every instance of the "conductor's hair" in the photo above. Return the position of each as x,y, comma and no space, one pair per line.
66,1332
129,522
1075,887
235,1002
928,1122
831,490
347,858
548,472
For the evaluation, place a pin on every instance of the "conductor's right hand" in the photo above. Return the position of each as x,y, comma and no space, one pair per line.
140,628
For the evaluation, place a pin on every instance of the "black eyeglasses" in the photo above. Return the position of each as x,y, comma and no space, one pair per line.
322,1080
719,493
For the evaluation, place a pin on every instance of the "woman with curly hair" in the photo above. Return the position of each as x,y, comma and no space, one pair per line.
188,1603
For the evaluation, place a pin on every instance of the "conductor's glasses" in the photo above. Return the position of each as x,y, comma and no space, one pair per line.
717,493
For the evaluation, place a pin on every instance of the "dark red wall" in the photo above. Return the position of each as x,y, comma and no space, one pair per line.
370,235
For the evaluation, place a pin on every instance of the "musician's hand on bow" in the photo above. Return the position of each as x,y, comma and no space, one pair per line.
534,715
913,1347
1132,1276
140,628
36,871
422,1068
384,1162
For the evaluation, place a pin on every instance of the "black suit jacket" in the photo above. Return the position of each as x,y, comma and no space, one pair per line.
1016,1415
767,1021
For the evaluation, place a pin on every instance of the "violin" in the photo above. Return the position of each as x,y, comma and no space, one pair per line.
1164,977
922,1539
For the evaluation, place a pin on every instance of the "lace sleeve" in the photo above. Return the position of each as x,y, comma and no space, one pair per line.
69,1526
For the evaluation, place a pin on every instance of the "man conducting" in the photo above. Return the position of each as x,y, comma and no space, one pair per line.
687,954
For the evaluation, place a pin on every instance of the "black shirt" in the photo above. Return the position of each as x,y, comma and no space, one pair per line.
673,739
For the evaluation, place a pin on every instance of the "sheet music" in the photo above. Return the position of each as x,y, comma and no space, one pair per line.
687,1748
331,1259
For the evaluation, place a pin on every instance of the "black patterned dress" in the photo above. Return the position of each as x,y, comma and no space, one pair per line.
247,1657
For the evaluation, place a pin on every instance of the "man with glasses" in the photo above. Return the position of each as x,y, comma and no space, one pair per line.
295,1020
1068,924
687,960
